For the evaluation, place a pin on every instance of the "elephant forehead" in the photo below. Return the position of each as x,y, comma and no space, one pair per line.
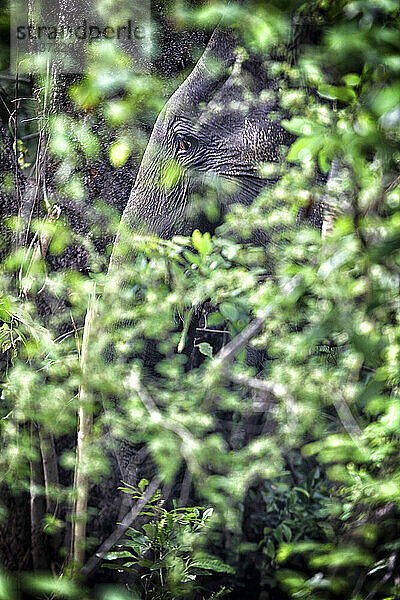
241,93
240,113
251,138
262,140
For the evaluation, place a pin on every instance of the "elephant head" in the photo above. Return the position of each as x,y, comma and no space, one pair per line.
212,134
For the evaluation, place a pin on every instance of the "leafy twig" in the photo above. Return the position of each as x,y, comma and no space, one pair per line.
391,569
225,356
180,430
117,534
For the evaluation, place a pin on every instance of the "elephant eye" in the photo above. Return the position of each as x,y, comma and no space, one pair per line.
184,144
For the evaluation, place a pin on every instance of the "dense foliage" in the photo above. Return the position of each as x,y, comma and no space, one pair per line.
299,462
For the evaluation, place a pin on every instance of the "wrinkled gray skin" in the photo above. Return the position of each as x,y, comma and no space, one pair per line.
215,131
210,138
216,128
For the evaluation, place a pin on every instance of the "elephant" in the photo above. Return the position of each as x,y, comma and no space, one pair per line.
214,131
209,140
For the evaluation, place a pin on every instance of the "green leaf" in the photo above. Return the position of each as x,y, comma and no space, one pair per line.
171,173
205,349
214,319
351,79
286,532
7,591
192,258
386,99
285,550
207,513
144,562
229,311
324,159
305,148
302,126
117,554
278,533
332,92
113,592
143,483
212,564
119,153
302,491
46,584
202,243
269,549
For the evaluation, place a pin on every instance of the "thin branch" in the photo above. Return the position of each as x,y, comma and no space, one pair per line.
5,106
13,79
37,506
257,384
95,560
50,469
37,250
84,431
17,99
228,352
347,419
208,330
29,136
180,430
394,184
51,480
67,334
226,355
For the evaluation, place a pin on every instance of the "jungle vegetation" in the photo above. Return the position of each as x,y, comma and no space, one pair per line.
279,482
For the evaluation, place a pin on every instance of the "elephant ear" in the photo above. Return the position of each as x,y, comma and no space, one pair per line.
210,73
